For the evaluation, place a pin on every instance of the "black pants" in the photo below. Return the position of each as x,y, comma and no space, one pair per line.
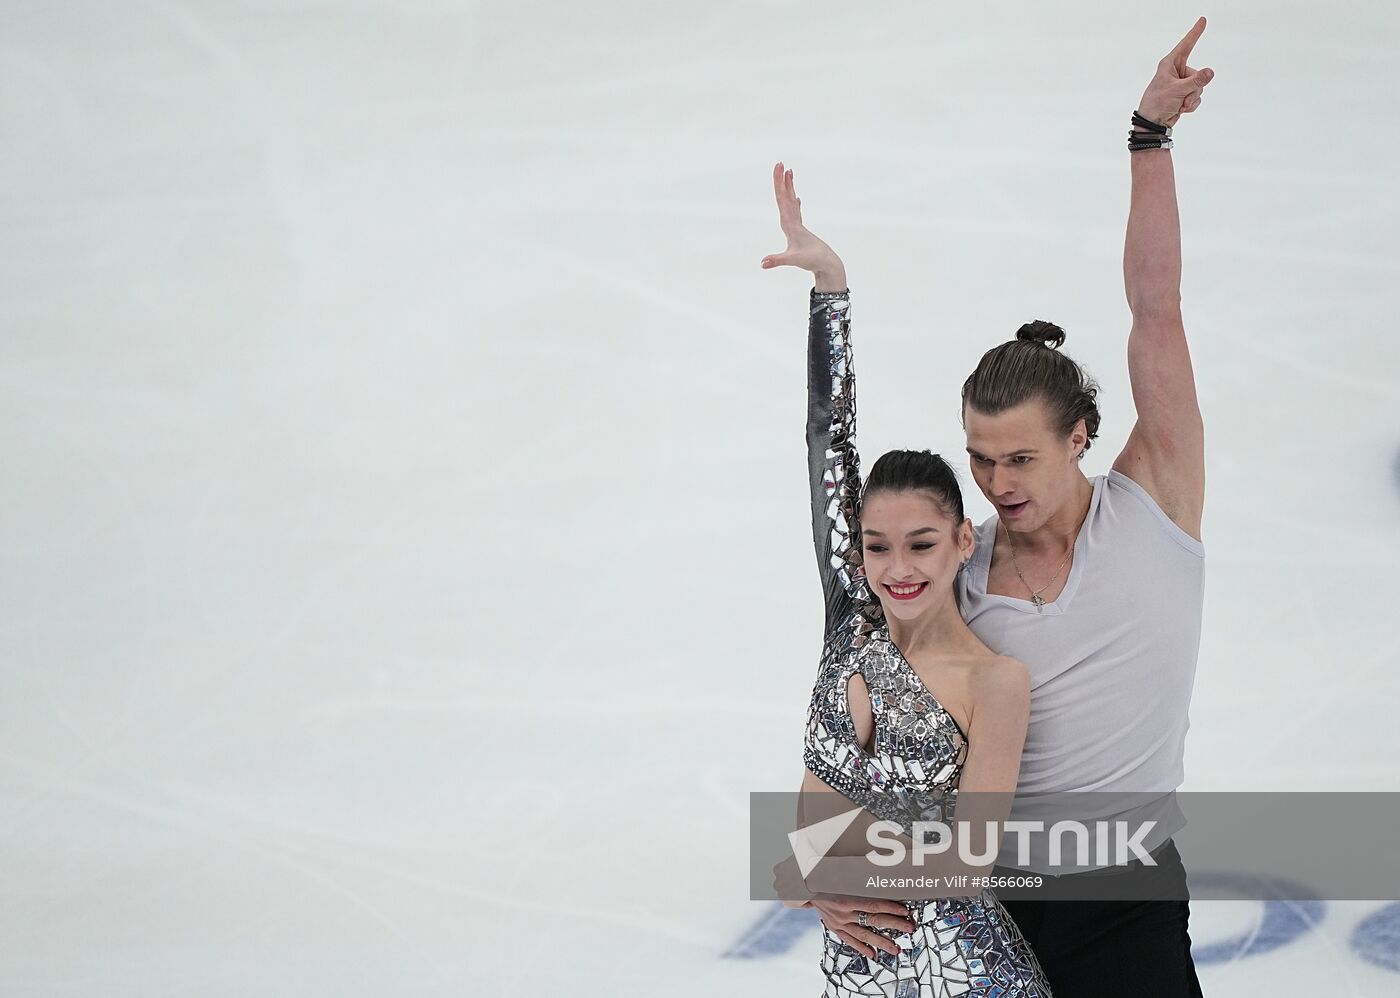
1113,948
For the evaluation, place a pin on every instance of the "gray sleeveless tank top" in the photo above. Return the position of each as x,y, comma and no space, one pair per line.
1113,659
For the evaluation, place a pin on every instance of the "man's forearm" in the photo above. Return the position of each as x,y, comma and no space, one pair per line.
1152,249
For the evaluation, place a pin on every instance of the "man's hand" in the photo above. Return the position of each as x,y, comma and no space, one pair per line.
841,916
792,889
1176,89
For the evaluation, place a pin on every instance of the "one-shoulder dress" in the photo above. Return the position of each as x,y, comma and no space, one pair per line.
960,945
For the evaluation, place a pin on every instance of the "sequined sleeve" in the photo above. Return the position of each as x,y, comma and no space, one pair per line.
854,619
833,464
831,750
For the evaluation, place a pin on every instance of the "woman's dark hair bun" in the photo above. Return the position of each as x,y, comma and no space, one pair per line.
1041,331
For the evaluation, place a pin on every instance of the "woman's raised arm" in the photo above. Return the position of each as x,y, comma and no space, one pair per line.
833,463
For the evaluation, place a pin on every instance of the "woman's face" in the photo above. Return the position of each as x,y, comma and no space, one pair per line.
911,550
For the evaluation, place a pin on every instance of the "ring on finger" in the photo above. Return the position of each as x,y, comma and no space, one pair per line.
863,919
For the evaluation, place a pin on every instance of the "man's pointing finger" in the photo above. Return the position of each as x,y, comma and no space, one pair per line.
1188,42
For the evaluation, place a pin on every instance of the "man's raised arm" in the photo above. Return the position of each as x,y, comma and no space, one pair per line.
1165,452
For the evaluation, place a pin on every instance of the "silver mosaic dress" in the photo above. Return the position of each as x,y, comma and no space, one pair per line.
960,946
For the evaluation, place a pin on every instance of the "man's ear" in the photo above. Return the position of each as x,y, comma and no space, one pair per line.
1079,438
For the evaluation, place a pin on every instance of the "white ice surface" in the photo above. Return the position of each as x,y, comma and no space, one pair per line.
405,566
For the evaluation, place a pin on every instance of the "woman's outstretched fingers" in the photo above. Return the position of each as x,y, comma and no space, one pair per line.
789,208
804,250
781,186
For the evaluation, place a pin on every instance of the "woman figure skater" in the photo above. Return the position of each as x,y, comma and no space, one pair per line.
910,707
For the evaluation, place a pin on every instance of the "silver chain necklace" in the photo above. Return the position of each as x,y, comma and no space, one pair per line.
1036,598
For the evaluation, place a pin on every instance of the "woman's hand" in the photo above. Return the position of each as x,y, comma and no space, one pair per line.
803,249
1176,89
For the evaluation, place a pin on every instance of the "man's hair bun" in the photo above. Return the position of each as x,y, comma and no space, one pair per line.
1030,367
1040,331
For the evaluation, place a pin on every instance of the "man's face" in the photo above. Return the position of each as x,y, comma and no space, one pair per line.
1024,467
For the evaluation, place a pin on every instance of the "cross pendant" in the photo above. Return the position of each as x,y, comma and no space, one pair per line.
1039,602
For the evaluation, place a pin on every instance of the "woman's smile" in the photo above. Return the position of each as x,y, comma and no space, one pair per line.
909,590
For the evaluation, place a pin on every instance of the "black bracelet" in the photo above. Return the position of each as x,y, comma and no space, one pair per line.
1151,126
1148,140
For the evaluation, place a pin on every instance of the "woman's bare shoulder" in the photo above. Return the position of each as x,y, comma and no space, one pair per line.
1001,676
